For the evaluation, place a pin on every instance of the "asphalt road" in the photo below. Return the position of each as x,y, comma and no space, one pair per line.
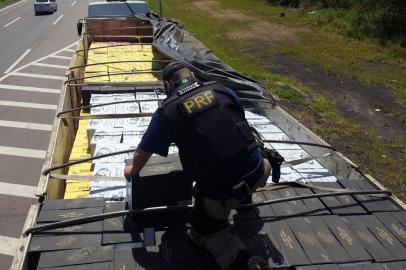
34,54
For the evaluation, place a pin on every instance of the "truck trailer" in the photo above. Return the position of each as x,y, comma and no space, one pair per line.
325,213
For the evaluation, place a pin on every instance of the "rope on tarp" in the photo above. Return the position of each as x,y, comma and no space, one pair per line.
301,143
107,116
94,218
120,62
86,177
68,164
113,74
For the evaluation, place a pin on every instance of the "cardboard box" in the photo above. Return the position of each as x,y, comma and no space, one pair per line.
80,169
123,97
76,195
146,95
105,137
96,99
78,186
148,106
127,108
101,149
266,128
144,121
109,109
109,169
110,190
132,137
252,115
99,124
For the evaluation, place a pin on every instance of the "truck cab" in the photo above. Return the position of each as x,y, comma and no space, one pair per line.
117,8
113,8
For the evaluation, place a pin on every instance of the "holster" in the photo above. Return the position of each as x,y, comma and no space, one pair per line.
276,160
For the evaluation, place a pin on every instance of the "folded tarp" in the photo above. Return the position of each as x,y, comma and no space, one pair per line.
176,43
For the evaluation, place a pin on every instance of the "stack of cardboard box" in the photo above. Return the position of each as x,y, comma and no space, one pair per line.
117,59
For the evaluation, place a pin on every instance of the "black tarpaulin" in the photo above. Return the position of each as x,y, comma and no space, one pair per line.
172,40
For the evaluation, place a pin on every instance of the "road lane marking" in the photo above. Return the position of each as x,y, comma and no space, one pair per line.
22,152
50,65
8,245
30,88
28,105
41,59
57,20
10,23
33,75
17,61
70,50
11,5
74,2
17,190
25,125
60,57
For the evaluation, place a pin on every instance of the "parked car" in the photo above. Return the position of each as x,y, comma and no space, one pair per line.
45,6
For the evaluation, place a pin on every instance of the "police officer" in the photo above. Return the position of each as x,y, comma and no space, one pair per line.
217,149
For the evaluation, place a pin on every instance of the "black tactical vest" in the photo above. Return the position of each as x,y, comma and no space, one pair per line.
209,128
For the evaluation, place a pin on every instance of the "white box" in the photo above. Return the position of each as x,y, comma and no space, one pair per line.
285,146
103,110
133,121
260,121
148,106
287,175
101,169
110,190
96,99
162,96
280,136
146,95
123,97
132,137
127,108
105,137
290,155
109,169
252,115
117,169
266,128
99,124
144,121
119,123
102,149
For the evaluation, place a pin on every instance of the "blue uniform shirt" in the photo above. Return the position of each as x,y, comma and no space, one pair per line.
157,140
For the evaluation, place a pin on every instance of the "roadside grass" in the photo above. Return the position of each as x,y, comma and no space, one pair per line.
345,57
4,3
323,46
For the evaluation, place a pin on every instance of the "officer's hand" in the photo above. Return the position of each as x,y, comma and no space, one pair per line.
128,171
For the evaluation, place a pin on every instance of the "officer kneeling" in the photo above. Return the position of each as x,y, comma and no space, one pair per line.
217,149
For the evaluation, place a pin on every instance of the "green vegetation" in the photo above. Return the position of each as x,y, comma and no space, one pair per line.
245,34
4,3
382,19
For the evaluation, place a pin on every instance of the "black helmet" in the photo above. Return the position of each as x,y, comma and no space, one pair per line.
171,69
